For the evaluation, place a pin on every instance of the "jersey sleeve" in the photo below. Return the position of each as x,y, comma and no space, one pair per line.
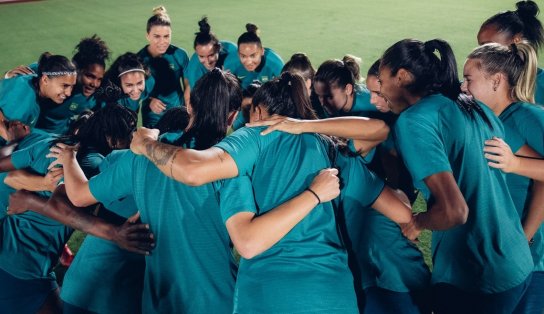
236,196
244,147
418,136
114,182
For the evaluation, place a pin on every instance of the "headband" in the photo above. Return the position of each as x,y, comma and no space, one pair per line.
131,70
60,73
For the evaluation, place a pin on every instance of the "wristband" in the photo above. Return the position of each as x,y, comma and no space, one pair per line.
315,194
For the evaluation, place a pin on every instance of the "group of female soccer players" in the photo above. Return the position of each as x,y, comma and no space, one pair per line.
313,189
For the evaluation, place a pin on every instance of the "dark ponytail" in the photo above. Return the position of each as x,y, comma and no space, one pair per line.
339,73
251,36
205,36
523,21
285,95
300,63
213,98
433,68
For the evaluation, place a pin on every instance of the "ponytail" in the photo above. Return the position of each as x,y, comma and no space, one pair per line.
205,36
159,18
251,36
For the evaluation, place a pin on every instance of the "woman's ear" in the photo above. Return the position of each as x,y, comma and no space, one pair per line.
404,77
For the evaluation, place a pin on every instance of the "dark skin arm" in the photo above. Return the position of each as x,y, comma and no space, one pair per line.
448,210
131,236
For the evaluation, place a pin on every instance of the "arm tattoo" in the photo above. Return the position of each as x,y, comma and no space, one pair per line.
159,153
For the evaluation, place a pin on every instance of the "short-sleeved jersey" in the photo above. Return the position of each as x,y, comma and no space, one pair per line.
539,88
19,100
195,70
270,67
31,243
167,71
386,259
192,268
524,125
56,119
489,253
104,278
311,256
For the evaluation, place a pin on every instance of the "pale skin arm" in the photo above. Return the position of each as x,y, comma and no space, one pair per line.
156,105
252,235
366,133
187,92
524,163
23,180
77,185
390,205
448,210
192,167
20,70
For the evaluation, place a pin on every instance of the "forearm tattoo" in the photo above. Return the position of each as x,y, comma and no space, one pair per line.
159,153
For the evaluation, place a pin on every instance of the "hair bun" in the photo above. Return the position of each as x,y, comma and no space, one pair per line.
204,26
160,10
527,8
252,28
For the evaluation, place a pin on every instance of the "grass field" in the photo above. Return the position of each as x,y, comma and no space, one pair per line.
322,29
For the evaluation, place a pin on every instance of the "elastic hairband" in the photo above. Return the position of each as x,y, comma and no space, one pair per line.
60,73
131,70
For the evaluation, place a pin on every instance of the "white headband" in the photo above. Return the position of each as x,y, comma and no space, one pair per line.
60,73
131,70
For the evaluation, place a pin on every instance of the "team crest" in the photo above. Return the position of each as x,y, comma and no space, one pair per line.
73,106
172,67
264,79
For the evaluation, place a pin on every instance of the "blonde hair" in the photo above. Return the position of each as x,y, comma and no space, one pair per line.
517,61
159,18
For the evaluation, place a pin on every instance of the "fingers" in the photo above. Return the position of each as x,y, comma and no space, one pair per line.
134,218
332,171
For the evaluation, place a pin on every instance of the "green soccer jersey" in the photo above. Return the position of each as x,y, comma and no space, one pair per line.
31,243
167,71
489,253
311,256
386,259
192,268
524,125
104,278
195,70
270,67
19,100
56,119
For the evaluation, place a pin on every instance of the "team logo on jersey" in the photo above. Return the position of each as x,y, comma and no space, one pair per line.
73,106
264,79
172,66
241,77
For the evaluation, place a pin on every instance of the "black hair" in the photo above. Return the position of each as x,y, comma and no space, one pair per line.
214,97
339,73
374,69
110,90
248,92
50,63
433,68
159,18
250,36
300,63
173,120
205,36
522,21
89,51
285,95
103,130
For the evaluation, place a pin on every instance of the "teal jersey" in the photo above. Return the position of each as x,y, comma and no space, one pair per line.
57,118
19,100
270,67
31,243
489,253
386,259
34,136
167,71
104,278
524,125
192,268
195,70
311,256
539,88
361,103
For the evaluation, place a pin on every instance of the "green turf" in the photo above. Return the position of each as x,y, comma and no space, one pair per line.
323,29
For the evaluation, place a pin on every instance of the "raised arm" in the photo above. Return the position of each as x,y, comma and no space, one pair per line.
365,132
252,235
448,210
192,167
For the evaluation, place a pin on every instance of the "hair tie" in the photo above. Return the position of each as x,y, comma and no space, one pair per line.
131,70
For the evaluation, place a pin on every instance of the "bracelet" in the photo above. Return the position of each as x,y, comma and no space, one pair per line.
315,194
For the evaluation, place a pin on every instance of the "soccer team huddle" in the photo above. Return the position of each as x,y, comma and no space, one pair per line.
256,186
